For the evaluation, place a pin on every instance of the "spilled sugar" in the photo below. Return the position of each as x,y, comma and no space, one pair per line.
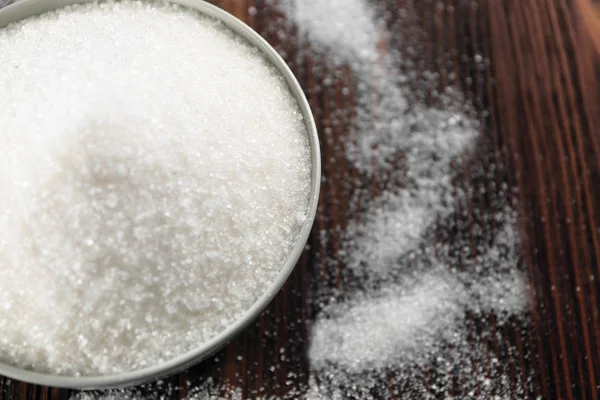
331,24
421,313
378,329
116,395
148,198
411,300
398,221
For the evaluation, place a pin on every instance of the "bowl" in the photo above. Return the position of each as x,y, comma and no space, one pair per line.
28,8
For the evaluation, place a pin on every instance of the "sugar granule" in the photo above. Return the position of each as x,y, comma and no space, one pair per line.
155,174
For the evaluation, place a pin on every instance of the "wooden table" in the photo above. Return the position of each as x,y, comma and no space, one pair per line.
537,96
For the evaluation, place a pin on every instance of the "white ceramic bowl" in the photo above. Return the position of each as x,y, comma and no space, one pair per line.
28,8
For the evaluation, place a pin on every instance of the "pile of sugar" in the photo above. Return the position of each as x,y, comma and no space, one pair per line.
154,177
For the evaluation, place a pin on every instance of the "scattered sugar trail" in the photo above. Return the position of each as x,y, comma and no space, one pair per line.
349,33
496,281
413,301
207,390
398,221
381,329
424,311
138,218
117,395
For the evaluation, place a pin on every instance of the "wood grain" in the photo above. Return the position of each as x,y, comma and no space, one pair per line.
536,95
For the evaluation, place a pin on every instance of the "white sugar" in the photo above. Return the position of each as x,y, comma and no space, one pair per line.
398,221
409,299
115,395
396,324
155,174
347,28
421,313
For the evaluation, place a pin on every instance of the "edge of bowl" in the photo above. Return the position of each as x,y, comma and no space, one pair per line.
28,8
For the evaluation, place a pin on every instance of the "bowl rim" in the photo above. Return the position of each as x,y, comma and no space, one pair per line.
28,8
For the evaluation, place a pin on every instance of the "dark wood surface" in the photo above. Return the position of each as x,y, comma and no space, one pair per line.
537,97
